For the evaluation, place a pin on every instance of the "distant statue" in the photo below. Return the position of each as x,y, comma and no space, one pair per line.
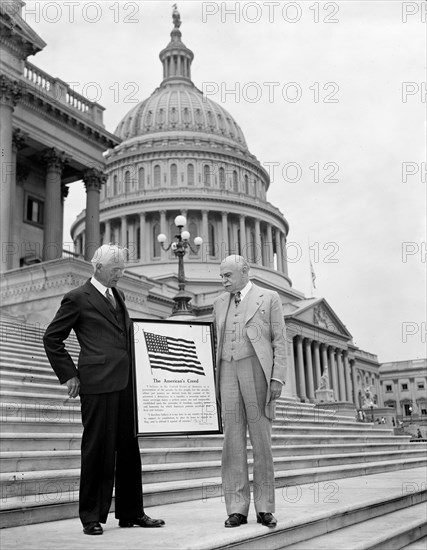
176,17
368,397
324,380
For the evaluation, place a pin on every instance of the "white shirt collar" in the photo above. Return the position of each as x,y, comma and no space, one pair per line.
245,290
99,286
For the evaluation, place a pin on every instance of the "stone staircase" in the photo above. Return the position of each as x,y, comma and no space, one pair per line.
40,458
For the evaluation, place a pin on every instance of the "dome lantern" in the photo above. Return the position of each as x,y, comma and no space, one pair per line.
176,57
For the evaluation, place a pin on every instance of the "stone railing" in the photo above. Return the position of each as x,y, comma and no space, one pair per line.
58,90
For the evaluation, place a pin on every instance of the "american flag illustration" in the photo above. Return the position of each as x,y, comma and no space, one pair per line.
172,354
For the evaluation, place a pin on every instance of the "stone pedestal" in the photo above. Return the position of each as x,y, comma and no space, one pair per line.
340,408
325,396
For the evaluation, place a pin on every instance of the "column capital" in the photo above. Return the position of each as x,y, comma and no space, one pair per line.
54,159
64,191
18,139
94,179
10,91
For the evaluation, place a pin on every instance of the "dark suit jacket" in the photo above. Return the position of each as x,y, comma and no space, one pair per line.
104,360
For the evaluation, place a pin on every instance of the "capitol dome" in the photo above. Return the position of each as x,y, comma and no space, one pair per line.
177,105
182,153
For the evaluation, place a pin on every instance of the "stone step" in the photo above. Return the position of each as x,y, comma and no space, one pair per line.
420,544
17,425
25,484
46,387
31,342
18,399
24,441
19,376
167,465
387,532
303,511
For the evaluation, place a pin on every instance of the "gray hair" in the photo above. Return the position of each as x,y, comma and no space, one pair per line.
108,253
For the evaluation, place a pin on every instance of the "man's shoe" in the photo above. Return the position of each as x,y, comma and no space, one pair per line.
267,519
143,521
235,520
92,528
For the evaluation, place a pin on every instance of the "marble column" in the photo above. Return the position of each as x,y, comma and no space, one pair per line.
309,369
341,376
224,245
10,94
347,374
165,230
243,244
52,234
300,365
18,142
142,247
124,231
205,233
279,258
284,255
317,369
107,232
353,375
333,373
269,248
93,179
258,249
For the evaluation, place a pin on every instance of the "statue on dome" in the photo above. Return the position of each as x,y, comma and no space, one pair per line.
176,17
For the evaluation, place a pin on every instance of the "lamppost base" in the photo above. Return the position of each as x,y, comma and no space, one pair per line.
182,306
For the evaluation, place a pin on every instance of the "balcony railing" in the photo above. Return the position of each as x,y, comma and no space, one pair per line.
56,89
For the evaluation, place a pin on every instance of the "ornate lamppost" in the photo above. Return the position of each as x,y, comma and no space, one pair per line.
179,248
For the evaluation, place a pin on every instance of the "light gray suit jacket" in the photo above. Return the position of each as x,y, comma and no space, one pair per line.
265,327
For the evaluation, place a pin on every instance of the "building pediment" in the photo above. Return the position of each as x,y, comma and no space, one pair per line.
317,312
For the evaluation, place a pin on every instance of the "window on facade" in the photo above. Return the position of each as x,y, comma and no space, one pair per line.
115,185
424,412
206,175
190,174
34,211
404,387
221,178
246,185
388,387
235,181
157,175
141,178
420,385
127,181
174,174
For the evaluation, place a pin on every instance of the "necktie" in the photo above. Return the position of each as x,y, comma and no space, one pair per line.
237,298
110,298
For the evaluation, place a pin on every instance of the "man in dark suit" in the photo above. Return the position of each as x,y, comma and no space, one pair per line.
251,368
98,315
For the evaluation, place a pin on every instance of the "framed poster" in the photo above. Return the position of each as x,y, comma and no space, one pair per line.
174,378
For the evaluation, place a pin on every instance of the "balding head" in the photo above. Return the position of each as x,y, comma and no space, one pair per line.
234,272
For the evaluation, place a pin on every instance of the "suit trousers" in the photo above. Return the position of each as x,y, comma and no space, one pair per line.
109,450
243,391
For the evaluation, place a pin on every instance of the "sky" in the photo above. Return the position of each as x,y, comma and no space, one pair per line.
331,97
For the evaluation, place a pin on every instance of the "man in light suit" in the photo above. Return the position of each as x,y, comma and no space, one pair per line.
98,315
251,368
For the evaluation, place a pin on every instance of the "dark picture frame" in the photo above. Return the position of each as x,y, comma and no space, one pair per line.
174,378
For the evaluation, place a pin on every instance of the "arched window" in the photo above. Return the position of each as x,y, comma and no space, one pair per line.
156,244
190,174
127,181
141,178
246,185
206,175
115,185
235,181
157,175
211,244
174,175
221,178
